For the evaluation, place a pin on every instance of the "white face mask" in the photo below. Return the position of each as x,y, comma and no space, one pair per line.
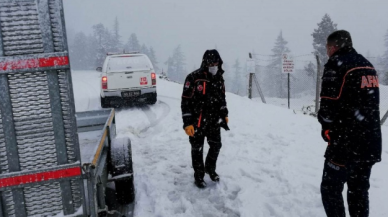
213,70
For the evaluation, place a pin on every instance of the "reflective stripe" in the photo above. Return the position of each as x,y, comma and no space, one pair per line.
343,82
187,114
34,63
199,120
39,177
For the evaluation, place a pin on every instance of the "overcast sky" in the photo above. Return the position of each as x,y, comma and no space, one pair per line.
235,27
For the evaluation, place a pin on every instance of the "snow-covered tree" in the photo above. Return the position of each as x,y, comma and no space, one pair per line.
325,28
311,70
275,80
132,44
78,51
170,68
175,65
153,59
104,42
83,51
144,50
116,38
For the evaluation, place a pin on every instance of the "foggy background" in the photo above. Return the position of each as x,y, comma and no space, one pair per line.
235,28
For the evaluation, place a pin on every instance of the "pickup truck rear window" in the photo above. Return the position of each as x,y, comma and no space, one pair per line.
128,63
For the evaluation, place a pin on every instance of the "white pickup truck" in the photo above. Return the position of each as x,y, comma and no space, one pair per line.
127,78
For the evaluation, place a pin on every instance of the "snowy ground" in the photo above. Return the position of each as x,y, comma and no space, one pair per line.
270,163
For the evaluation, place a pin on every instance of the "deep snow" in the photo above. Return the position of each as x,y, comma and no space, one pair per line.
270,164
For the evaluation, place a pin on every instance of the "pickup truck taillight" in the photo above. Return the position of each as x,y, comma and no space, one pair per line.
153,78
104,82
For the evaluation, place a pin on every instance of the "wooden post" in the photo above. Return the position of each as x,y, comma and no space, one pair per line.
258,88
384,118
250,85
288,81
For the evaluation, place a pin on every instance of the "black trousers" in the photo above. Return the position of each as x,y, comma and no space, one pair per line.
357,175
213,136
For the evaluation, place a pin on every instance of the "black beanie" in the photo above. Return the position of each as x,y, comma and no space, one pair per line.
340,38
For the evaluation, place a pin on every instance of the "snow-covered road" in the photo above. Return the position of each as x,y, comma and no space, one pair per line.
270,163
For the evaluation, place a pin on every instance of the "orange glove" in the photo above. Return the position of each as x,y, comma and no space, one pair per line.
226,119
189,130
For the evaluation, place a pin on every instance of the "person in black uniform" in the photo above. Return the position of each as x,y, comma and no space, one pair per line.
350,118
204,111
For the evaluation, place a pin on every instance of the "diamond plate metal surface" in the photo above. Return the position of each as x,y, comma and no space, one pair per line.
43,200
37,27
9,203
64,93
3,151
56,25
23,88
20,28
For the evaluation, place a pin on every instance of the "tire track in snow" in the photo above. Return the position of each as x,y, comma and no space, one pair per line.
152,116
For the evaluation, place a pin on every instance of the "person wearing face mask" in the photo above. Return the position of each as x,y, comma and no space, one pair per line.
204,112
350,118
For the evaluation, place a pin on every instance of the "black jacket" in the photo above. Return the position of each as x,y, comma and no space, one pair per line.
203,99
350,108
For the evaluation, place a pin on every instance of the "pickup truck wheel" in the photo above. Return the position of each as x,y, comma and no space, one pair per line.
122,170
104,102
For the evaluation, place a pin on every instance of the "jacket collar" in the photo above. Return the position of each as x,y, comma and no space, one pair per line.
343,51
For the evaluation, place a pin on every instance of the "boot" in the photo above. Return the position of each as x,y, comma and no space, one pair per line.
200,183
213,175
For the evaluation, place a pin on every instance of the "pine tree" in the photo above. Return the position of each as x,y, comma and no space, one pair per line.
170,68
325,28
310,71
104,42
78,51
92,52
116,38
153,59
133,44
180,61
276,81
175,65
144,50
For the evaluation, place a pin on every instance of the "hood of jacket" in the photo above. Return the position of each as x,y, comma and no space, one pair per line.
212,56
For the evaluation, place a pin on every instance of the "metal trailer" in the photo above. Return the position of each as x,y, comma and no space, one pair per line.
42,171
105,159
